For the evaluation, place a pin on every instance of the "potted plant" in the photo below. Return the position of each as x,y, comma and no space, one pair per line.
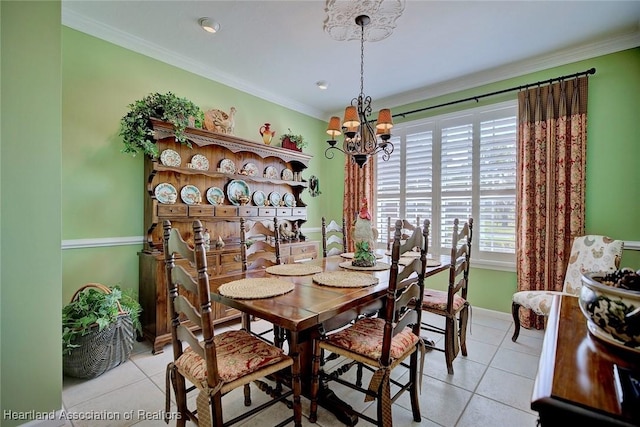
292,141
135,128
98,329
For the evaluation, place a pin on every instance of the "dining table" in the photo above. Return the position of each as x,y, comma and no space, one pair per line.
304,310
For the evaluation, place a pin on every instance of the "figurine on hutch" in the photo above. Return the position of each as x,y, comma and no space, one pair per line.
364,238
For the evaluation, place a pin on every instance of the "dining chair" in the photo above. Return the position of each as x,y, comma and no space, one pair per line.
452,304
259,245
259,249
219,363
407,229
380,344
334,238
589,253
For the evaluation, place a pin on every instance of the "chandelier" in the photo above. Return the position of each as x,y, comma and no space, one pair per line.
361,138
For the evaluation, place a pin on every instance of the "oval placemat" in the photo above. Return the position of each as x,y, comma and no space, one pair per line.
380,266
350,255
293,269
345,279
263,287
408,254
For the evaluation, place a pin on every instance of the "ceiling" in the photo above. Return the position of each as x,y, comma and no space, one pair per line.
278,50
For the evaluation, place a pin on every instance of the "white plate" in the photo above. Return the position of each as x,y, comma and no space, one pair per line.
236,189
227,166
271,172
190,195
289,199
215,196
259,198
250,169
200,162
166,193
287,174
274,198
170,158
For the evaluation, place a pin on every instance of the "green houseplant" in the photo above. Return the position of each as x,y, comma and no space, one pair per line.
98,330
293,138
93,308
135,128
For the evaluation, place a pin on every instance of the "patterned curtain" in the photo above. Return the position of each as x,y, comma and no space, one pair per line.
551,154
358,184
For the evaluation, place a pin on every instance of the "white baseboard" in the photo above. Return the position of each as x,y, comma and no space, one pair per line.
50,419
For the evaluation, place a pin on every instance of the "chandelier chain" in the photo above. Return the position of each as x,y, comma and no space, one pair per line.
362,61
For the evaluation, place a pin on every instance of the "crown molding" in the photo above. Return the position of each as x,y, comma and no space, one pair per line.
612,44
602,47
105,32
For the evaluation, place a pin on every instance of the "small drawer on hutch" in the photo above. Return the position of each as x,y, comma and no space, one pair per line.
201,210
248,211
284,211
299,211
226,211
230,262
267,212
172,210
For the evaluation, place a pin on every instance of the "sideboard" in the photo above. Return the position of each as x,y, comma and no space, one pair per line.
575,382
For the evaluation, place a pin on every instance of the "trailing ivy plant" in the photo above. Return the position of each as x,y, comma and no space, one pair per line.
92,309
135,127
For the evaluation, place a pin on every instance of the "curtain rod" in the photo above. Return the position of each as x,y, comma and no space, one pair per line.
476,98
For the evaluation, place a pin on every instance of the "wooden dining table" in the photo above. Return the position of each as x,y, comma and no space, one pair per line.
308,306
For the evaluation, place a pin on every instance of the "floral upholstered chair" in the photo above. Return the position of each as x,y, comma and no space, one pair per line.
590,253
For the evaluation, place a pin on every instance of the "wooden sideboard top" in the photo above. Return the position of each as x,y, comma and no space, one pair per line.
575,374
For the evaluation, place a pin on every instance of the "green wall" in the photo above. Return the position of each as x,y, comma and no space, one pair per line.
102,188
30,196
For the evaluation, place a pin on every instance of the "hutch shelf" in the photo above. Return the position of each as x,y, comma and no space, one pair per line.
274,172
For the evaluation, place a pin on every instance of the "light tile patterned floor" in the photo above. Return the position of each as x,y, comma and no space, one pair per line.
492,386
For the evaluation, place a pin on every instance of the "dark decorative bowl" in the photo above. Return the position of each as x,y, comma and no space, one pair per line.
613,313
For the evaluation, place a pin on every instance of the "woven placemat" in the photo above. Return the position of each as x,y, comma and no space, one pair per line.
345,279
380,266
293,269
408,254
408,260
255,288
350,255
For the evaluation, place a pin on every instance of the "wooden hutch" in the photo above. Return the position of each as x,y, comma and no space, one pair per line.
222,220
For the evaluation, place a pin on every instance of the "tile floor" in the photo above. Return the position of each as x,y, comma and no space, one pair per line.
491,386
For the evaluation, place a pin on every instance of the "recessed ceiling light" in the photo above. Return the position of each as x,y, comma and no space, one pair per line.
322,84
209,25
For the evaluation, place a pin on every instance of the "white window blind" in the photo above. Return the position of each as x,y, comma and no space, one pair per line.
458,165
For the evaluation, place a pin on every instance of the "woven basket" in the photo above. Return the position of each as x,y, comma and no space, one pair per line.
100,351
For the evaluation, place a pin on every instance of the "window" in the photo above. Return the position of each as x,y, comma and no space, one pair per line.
457,165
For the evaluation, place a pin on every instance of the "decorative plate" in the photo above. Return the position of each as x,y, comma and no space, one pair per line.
259,198
250,169
166,193
190,195
289,199
287,174
274,198
200,162
271,172
236,190
215,196
170,158
227,166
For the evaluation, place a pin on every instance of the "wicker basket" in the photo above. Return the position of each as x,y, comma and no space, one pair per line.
100,351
